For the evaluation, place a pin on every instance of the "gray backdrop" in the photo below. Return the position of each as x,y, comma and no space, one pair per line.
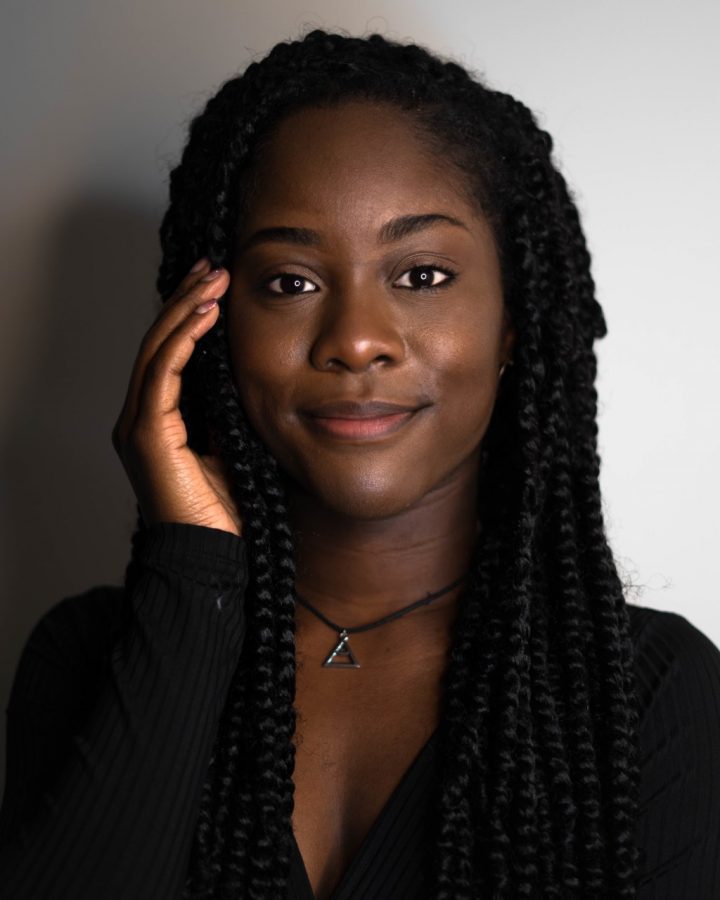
95,100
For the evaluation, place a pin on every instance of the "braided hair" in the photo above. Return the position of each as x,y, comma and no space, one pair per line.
541,657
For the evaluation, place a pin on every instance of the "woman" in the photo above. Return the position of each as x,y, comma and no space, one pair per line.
372,641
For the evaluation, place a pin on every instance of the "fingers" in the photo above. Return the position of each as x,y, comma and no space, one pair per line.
154,387
204,283
160,393
171,482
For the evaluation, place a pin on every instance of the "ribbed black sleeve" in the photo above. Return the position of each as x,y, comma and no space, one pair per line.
678,680
111,719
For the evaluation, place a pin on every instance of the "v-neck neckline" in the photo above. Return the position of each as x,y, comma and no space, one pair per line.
340,890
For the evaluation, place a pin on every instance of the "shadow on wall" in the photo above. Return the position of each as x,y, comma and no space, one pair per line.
68,509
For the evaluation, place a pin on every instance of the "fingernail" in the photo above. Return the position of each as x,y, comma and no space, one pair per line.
206,307
200,264
211,276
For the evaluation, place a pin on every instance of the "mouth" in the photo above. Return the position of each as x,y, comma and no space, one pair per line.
359,421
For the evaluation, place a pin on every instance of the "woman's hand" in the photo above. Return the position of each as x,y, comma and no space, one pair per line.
171,482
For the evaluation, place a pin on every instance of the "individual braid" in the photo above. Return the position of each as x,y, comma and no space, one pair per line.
611,651
551,275
534,799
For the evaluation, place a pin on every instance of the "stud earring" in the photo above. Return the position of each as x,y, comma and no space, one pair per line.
507,363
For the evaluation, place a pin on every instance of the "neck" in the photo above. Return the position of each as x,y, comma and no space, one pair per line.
357,571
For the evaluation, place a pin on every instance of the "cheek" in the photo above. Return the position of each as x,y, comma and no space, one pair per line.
468,369
468,356
264,369
260,390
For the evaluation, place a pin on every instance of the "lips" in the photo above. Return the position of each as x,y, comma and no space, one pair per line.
356,420
353,409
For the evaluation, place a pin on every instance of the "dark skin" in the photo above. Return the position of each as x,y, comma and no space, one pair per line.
387,289
379,519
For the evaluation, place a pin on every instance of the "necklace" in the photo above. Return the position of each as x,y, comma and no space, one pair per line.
341,655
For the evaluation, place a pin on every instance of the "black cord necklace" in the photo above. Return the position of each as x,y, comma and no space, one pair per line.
341,656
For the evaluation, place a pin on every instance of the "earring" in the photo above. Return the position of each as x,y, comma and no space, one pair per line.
507,363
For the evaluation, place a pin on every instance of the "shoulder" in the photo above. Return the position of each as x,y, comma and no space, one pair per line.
678,684
676,665
83,619
71,641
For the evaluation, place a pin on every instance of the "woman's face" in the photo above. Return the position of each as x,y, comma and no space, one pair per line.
362,275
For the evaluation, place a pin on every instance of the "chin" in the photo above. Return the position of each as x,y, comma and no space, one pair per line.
365,498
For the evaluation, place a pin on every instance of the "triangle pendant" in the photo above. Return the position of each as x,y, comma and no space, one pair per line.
341,656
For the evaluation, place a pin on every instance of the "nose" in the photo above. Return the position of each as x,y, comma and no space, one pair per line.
358,329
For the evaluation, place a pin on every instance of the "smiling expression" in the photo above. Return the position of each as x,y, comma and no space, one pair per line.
363,274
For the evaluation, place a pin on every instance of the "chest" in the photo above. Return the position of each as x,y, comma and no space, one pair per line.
355,741
339,797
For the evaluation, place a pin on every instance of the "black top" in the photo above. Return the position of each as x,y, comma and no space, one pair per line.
113,713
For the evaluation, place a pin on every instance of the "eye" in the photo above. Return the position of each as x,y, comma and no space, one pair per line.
289,283
422,277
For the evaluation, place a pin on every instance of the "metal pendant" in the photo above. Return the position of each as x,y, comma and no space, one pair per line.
342,657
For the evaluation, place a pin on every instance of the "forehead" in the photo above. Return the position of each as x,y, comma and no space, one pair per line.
364,156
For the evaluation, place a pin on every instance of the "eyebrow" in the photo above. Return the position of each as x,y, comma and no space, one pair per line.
396,229
392,231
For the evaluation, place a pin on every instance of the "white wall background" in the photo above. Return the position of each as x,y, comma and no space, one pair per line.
95,99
